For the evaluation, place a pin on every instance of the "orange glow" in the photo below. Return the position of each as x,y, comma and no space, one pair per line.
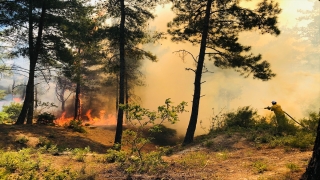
17,100
110,119
63,120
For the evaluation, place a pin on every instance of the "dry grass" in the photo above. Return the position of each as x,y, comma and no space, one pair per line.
225,157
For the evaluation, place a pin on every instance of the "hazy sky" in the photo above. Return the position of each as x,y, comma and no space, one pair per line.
296,87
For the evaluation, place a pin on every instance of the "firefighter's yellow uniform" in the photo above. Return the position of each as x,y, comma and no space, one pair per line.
281,119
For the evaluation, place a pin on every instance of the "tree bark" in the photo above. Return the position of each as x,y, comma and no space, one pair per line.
28,104
197,82
313,169
77,103
118,136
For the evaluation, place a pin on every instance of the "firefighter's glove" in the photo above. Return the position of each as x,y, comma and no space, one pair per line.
268,108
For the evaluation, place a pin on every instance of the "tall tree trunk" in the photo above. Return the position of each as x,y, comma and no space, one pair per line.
77,103
197,82
28,103
127,96
117,95
313,169
118,136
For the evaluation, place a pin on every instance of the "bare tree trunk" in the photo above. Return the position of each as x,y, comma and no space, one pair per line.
313,169
118,136
117,95
28,104
197,82
77,103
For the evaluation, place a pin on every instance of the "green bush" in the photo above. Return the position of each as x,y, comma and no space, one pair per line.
259,166
46,118
311,123
161,135
243,117
115,156
301,140
3,117
13,110
2,94
80,154
76,125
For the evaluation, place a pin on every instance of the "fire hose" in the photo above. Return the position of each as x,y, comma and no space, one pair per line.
293,119
289,116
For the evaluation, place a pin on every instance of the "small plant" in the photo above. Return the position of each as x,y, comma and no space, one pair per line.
22,140
76,125
115,156
80,154
193,159
208,143
310,123
293,167
259,166
46,118
3,117
13,111
222,155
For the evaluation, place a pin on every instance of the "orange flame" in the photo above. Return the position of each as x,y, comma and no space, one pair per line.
17,100
101,120
63,120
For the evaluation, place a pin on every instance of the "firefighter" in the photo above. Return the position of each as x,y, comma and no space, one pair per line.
280,116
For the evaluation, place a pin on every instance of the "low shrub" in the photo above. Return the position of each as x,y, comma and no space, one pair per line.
80,154
259,166
76,125
193,160
13,111
161,135
243,117
46,118
4,117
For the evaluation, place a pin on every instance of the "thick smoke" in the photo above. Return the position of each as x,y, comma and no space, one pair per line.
296,87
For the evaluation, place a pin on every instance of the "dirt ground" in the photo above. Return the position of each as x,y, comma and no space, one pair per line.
228,158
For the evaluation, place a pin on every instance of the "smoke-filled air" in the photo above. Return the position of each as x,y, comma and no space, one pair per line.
296,62
293,56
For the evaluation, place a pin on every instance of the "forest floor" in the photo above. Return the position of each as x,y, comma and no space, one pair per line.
230,157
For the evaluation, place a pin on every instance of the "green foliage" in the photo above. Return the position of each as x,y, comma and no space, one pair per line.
311,123
29,164
2,94
301,140
222,155
76,125
3,117
80,154
144,120
13,110
259,166
161,135
116,156
243,117
18,161
293,167
46,118
193,160
22,140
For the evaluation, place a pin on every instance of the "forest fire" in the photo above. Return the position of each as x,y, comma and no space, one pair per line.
110,119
